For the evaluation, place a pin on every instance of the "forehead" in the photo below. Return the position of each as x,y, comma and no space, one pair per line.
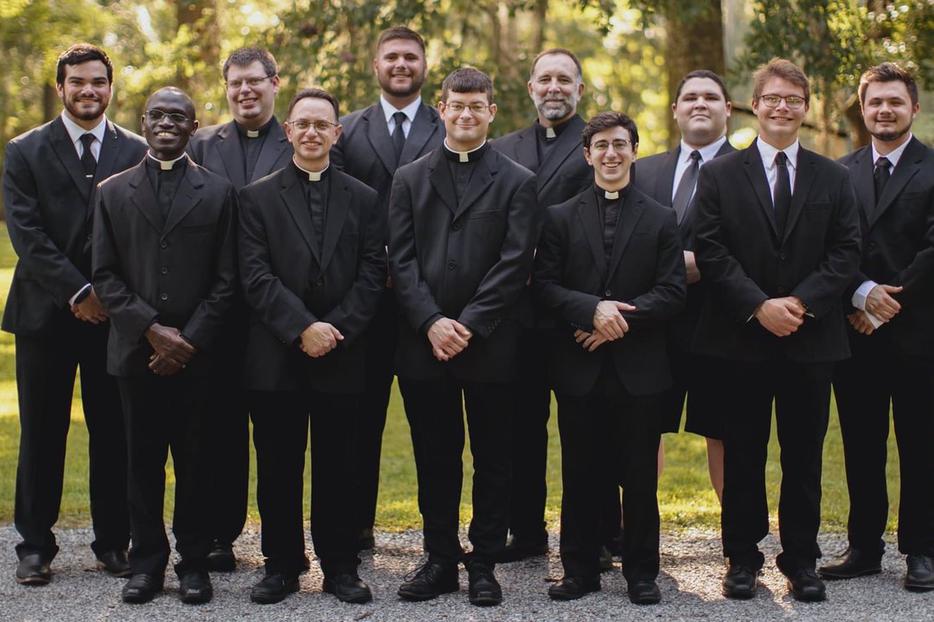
781,86
887,90
700,85
616,132
400,47
240,72
468,98
88,70
555,64
312,109
169,102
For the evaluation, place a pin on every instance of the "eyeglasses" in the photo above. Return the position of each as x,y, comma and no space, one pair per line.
458,108
772,101
234,85
155,115
320,125
600,146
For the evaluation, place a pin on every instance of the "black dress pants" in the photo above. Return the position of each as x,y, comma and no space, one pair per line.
45,378
164,413
802,400
864,387
608,438
436,418
281,422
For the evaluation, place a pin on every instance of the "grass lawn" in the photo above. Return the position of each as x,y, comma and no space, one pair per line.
685,497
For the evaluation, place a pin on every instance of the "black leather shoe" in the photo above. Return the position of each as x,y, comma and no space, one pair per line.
114,563
141,588
644,592
572,588
920,577
33,570
606,560
517,550
221,558
429,580
348,588
853,563
366,541
740,582
194,587
484,589
806,586
273,588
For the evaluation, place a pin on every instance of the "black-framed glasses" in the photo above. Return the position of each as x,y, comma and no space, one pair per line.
772,101
320,125
234,85
155,115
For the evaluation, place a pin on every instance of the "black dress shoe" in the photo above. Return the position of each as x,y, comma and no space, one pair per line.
484,589
194,587
141,588
572,588
806,586
273,588
920,577
114,563
853,563
740,582
348,588
366,541
644,592
517,550
33,570
221,558
430,580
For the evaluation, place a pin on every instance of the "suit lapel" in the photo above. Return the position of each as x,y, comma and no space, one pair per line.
231,153
664,183
377,132
186,197
423,128
110,149
567,142
294,198
908,166
861,176
593,229
804,177
440,178
273,146
61,143
144,198
526,151
480,180
755,173
338,204
631,209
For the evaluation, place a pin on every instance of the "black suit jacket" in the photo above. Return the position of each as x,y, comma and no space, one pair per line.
178,270
898,242
467,261
655,176
646,269
49,214
289,284
217,148
565,174
744,262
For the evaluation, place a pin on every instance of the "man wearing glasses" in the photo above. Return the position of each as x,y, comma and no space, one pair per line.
313,267
248,148
778,242
164,267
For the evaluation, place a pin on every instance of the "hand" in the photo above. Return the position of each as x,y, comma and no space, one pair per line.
608,321
880,303
690,266
860,323
781,316
589,341
319,339
448,338
168,343
90,309
161,366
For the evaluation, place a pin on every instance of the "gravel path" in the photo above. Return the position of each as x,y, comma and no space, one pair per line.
690,582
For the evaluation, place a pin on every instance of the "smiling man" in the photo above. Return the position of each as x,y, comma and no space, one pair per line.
778,242
164,264
463,223
49,180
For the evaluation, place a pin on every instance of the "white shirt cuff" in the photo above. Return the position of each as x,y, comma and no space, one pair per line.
71,301
861,293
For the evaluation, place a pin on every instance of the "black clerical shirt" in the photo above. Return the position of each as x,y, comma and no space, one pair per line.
461,165
165,182
317,192
251,142
546,143
610,210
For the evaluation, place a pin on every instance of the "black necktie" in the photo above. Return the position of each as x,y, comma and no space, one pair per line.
686,186
881,176
88,163
398,136
782,199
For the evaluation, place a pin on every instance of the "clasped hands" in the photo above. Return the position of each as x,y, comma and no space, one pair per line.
90,309
608,323
319,339
448,338
881,304
781,316
172,352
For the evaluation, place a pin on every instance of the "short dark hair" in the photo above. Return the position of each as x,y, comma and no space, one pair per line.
316,94
563,51
888,72
467,80
703,73
244,57
400,32
82,53
780,68
607,120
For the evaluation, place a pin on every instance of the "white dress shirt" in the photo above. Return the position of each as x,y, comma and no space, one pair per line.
768,153
409,111
707,153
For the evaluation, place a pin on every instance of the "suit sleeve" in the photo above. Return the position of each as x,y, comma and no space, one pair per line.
336,154
276,305
740,294
503,282
209,317
37,253
358,307
668,295
130,314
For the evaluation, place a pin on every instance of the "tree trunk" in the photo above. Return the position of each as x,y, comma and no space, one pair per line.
200,16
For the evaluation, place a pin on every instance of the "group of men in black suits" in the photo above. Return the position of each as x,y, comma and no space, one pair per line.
725,278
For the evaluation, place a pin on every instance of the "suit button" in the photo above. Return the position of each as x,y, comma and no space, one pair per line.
456,226
608,293
319,283
782,256
872,246
163,244
89,237
163,297
451,265
164,270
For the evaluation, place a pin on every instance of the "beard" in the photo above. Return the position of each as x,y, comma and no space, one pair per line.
890,135
554,109
414,86
72,106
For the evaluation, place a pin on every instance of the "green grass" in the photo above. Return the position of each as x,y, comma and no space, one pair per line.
685,497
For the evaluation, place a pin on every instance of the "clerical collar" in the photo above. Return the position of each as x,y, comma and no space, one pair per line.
611,195
311,175
255,133
465,156
164,165
550,133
